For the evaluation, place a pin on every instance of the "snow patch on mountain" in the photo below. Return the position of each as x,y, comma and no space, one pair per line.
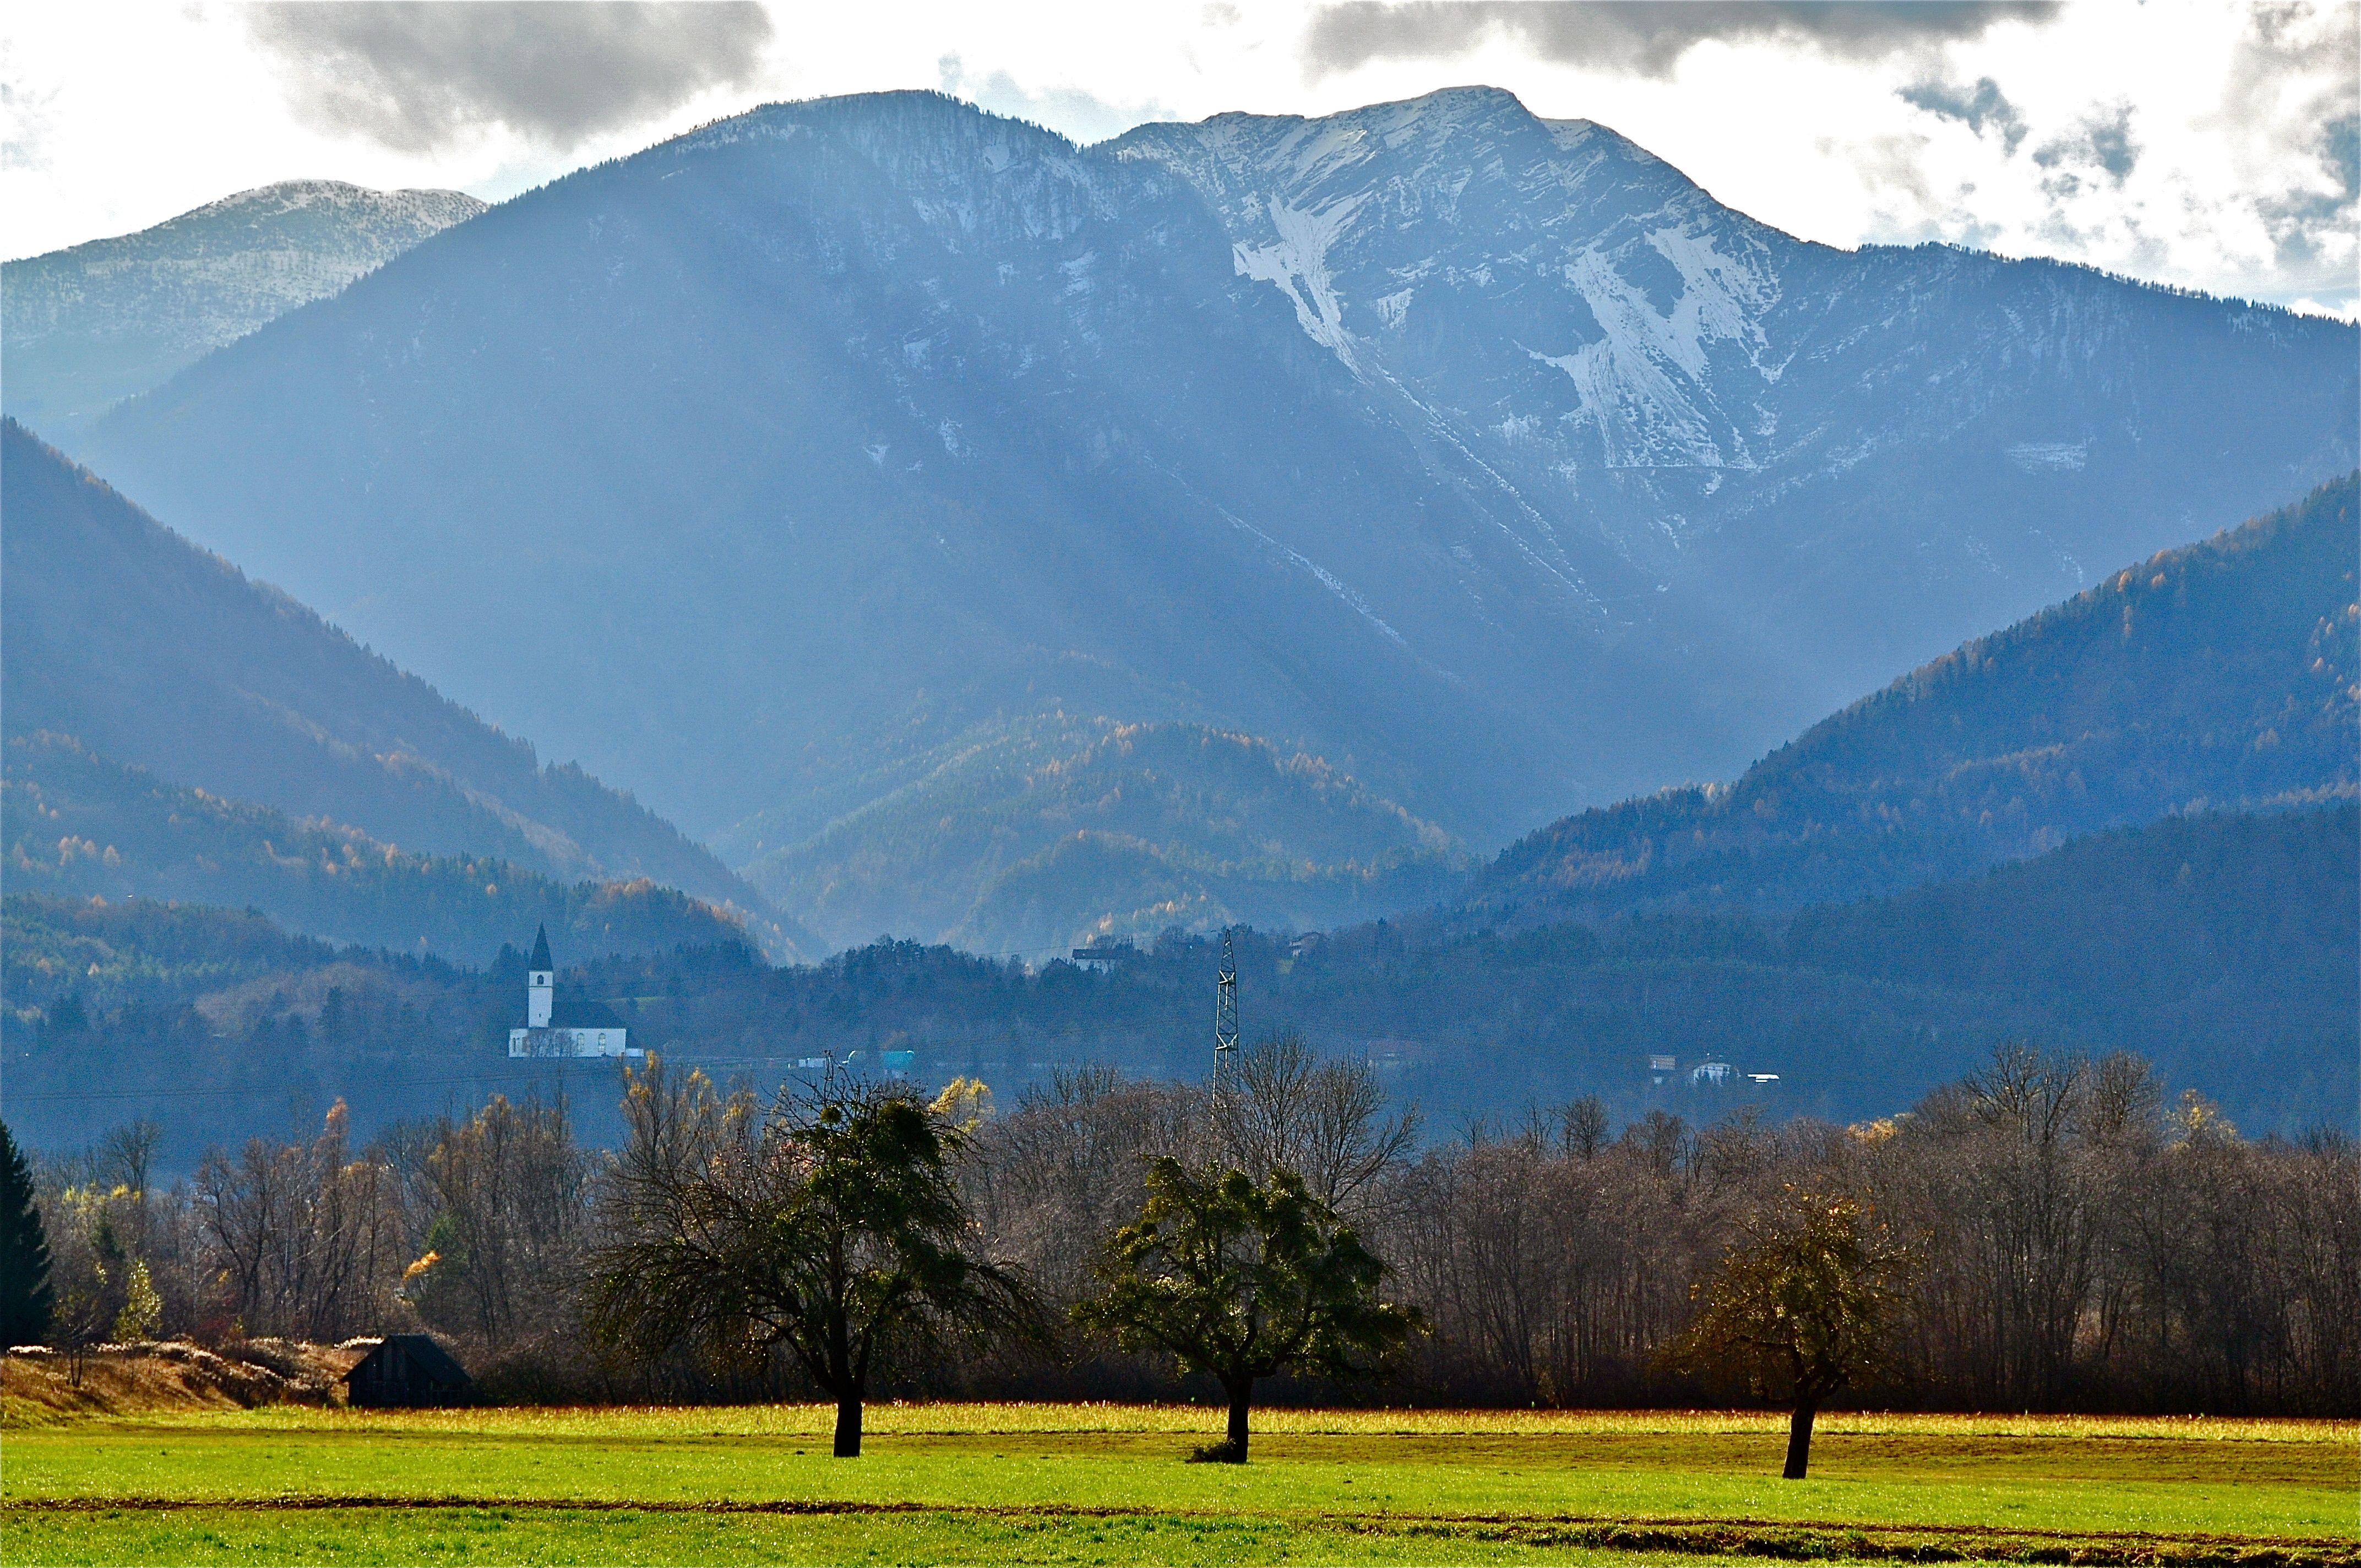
2049,457
1301,257
1328,579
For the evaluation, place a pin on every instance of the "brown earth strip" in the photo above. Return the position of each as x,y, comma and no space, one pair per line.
1787,1539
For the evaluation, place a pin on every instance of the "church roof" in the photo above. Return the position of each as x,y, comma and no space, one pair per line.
541,950
583,1012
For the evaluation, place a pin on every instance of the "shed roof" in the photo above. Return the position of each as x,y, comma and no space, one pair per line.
423,1353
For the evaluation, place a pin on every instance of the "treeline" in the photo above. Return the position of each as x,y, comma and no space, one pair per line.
2219,947
2074,1241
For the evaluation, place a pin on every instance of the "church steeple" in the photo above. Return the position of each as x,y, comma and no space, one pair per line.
539,982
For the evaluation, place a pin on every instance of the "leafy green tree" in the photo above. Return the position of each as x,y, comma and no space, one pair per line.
27,1298
143,1309
1243,1282
1798,1309
831,1226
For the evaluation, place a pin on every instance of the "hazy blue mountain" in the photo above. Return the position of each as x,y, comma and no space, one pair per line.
1486,460
2222,674
118,632
88,326
80,825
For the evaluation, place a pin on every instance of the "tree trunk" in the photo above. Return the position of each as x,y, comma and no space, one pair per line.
848,1379
1799,1439
1241,1397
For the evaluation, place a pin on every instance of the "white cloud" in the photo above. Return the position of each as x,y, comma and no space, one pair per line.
1645,36
422,75
2205,143
1081,118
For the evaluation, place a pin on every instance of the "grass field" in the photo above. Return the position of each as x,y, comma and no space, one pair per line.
1106,1484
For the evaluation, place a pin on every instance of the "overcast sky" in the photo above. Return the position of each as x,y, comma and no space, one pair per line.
2204,144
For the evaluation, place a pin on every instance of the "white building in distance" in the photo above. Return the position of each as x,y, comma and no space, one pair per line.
542,1038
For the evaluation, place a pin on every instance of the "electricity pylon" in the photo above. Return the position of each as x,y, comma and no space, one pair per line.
1225,1017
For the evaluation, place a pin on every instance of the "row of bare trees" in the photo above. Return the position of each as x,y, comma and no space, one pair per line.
2072,1240
472,1226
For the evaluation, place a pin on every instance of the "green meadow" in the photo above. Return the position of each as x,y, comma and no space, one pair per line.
981,1483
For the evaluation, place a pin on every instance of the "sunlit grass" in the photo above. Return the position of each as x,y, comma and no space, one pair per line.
509,1536
1107,1484
985,1418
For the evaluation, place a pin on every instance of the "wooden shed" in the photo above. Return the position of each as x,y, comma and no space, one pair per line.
407,1369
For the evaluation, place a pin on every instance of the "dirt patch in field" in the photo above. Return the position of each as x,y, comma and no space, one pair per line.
1789,1541
39,1386
1835,1456
1806,1541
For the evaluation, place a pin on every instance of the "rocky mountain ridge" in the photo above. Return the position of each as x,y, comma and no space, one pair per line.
1650,389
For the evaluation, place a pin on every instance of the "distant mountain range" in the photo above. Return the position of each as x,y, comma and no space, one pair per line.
151,653
965,535
2221,676
857,467
89,326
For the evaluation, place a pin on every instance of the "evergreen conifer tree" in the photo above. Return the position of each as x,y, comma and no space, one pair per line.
26,1298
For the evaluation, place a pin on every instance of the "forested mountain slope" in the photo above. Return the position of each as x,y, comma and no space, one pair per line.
86,327
2219,945
2222,943
117,631
1149,826
2220,675
78,824
1483,459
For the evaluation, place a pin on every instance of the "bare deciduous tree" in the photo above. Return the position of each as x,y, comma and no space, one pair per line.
309,1239
503,1195
1326,1121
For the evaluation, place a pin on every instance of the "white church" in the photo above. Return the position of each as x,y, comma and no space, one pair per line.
541,1037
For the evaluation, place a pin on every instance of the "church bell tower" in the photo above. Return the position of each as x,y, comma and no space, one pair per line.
540,982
